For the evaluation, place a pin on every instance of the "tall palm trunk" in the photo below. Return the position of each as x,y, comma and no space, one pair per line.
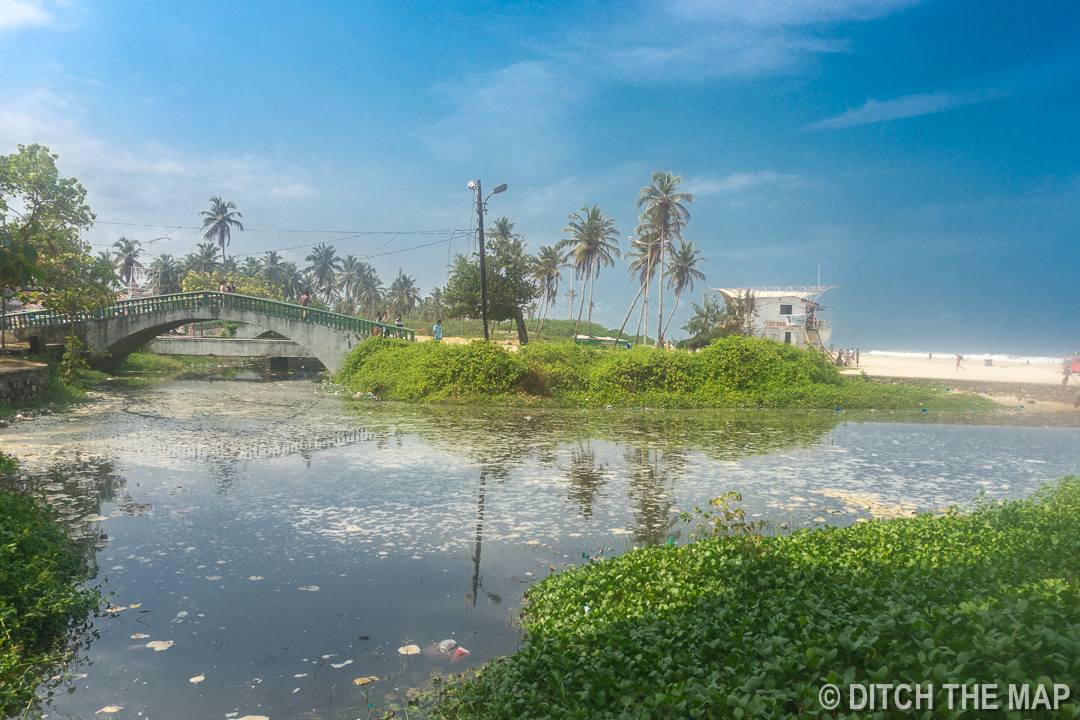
549,303
660,272
581,306
673,309
592,286
629,312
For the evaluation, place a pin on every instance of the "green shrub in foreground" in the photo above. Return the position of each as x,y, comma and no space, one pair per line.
754,626
731,372
40,597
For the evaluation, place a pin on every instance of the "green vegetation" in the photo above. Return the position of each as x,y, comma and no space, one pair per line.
743,625
731,372
41,596
144,367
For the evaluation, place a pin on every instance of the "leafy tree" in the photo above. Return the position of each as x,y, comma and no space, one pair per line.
667,216
709,322
230,266
254,286
324,265
251,267
126,257
593,241
682,272
219,222
509,287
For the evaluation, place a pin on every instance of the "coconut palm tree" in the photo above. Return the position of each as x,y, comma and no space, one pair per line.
665,211
251,267
403,293
272,269
570,295
370,290
682,272
348,280
126,257
502,229
324,265
230,266
219,221
593,241
546,272
203,260
644,254
292,281
168,273
435,304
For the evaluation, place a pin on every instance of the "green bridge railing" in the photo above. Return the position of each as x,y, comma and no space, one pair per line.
198,300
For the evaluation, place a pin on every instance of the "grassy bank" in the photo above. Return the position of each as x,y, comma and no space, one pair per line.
144,367
40,596
751,626
733,372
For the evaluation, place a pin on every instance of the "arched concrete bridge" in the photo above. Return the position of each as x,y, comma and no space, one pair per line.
121,329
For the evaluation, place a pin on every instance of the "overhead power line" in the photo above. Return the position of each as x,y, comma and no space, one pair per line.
278,230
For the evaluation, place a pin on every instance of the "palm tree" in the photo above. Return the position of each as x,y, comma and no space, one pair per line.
106,256
682,272
435,304
272,269
204,260
324,265
251,267
369,291
403,293
219,221
593,240
230,266
502,229
348,279
665,211
546,271
570,295
643,264
168,271
292,280
126,257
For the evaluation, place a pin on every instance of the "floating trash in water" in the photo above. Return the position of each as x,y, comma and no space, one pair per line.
300,675
160,645
135,508
182,613
109,708
197,679
115,608
409,650
95,518
365,680
253,717
459,654
309,588
338,666
448,645
139,636
256,577
621,531
213,577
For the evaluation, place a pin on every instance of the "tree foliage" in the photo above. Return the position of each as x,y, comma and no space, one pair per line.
509,284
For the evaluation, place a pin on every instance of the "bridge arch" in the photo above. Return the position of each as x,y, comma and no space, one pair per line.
121,329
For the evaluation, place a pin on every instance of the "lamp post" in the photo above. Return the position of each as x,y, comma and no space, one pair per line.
481,205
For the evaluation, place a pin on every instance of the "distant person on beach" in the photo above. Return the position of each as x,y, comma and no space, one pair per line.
1067,372
959,357
856,357
436,332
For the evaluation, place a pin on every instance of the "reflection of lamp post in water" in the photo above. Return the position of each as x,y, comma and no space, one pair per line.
479,539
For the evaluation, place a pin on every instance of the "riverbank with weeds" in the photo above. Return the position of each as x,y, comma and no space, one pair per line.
730,373
745,625
42,597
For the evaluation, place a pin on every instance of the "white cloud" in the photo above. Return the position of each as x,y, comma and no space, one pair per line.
737,181
902,107
787,12
293,191
22,13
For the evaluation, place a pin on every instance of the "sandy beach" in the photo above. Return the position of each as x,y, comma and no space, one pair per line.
972,370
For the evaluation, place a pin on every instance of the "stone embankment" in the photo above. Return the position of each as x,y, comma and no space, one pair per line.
21,380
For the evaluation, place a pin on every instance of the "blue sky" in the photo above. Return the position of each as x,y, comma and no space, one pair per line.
924,154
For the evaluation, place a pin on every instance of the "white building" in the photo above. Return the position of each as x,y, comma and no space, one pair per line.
788,315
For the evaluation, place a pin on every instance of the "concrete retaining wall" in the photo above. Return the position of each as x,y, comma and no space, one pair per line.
22,381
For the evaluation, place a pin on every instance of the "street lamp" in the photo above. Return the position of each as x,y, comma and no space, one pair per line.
481,206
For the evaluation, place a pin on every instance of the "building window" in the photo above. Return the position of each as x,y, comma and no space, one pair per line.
785,309
787,338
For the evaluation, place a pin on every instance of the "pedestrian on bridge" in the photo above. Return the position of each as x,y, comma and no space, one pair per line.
304,302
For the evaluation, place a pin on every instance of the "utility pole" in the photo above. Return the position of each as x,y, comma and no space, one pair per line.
483,265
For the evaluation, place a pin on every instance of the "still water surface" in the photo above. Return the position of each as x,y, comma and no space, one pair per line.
297,540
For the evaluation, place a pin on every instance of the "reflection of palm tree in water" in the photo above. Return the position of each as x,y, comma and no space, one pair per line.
585,476
651,473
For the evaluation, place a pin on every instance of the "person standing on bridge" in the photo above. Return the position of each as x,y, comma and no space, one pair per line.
304,302
437,331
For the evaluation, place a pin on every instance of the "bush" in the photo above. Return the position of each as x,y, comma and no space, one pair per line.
732,372
752,626
40,597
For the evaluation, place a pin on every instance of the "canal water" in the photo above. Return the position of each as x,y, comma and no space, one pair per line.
268,544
